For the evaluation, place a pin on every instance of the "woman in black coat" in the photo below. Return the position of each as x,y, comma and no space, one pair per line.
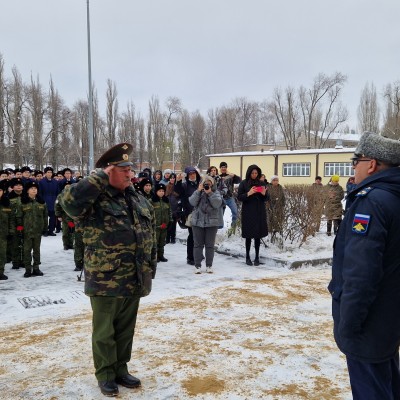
253,194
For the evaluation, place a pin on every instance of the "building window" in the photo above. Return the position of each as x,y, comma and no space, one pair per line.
338,168
296,169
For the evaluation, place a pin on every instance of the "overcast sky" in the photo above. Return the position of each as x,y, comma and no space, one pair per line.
206,52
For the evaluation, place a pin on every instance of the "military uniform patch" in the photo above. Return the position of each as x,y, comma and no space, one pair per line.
360,223
364,192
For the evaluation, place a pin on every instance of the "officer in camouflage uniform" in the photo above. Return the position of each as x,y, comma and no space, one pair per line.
120,260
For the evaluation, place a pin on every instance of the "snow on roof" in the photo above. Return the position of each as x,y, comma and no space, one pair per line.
283,152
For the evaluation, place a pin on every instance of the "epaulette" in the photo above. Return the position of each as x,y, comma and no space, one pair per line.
364,192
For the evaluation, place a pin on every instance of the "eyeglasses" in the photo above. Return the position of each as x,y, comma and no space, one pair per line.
356,160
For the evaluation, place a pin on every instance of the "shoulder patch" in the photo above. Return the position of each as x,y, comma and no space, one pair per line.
364,192
360,223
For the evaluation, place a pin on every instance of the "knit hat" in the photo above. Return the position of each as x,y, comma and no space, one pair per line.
274,177
335,178
379,147
223,164
167,171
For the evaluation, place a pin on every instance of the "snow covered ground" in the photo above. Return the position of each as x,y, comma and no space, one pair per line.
241,333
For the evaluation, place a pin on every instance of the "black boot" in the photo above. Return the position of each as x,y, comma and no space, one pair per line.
3,277
108,388
162,259
248,261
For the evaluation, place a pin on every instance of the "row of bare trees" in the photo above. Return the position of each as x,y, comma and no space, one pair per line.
37,128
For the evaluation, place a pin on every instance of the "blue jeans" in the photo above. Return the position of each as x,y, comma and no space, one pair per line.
374,381
231,203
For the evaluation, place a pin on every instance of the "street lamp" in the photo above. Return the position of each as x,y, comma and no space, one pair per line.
90,125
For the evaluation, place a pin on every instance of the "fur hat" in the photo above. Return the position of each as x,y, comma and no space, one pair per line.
15,181
48,169
159,186
167,171
143,175
31,184
144,182
379,147
25,168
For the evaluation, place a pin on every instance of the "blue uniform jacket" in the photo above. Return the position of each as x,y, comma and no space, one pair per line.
365,285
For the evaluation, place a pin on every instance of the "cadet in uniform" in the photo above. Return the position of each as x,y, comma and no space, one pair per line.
365,285
120,260
7,226
15,240
31,221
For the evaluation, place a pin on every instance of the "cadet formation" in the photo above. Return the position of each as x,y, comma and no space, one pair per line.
118,224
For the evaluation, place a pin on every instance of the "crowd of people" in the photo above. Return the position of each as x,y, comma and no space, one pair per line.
196,202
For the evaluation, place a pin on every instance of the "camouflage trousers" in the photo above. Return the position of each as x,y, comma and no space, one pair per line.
32,250
67,235
79,248
16,250
113,323
161,237
3,254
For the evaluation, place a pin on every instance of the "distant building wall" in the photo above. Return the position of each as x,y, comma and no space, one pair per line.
292,167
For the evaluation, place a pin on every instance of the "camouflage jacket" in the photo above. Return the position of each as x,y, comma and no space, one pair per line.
162,210
32,215
333,201
59,211
119,236
7,219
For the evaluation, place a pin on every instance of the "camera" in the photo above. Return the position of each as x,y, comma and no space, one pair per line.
206,186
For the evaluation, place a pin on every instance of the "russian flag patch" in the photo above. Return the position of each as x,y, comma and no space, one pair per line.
360,223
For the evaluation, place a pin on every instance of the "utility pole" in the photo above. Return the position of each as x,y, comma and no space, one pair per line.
90,124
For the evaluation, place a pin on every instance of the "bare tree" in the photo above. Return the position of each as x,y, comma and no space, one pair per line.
267,124
320,108
13,113
391,127
368,110
286,111
36,104
112,113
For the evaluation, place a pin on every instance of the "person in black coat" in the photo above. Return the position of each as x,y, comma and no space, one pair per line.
253,195
186,184
365,285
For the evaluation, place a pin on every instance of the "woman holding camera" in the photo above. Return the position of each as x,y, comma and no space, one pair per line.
206,218
253,194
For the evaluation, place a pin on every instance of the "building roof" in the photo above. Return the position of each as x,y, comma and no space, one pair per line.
283,152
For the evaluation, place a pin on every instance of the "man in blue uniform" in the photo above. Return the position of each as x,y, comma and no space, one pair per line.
365,285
